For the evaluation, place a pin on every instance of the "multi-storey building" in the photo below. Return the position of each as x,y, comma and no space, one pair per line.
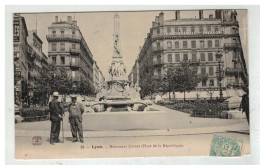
20,34
98,78
68,48
37,60
197,41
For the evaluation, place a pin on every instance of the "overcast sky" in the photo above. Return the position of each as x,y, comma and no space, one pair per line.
97,29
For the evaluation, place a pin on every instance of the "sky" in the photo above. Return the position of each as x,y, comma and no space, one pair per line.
97,30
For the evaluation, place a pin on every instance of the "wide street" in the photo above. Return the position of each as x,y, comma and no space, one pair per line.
130,130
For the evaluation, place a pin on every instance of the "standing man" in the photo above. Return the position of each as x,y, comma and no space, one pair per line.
245,104
75,118
56,114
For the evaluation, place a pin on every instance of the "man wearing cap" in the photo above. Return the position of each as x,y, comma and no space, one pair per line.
56,114
75,118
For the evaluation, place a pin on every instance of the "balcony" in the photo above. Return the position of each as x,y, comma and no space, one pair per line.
158,63
194,62
157,49
59,37
232,45
233,71
235,59
74,51
74,64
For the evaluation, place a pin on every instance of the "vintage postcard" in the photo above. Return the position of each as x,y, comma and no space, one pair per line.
115,84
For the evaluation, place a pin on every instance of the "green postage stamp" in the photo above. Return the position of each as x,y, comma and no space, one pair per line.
224,146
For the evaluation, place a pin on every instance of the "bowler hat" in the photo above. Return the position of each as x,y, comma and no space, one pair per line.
55,94
73,96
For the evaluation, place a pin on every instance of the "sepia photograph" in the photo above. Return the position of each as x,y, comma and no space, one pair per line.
117,84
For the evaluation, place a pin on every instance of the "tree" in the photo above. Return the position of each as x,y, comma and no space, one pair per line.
149,84
185,77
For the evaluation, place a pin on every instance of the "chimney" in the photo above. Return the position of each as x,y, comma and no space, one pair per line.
201,14
161,18
153,23
157,19
177,15
69,19
56,18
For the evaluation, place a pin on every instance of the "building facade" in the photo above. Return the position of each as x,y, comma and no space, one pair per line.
98,78
37,60
197,41
67,48
20,46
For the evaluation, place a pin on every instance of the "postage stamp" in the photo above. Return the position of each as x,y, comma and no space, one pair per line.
224,146
36,140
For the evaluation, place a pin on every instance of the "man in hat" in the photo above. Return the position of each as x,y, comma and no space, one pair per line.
244,105
56,114
75,118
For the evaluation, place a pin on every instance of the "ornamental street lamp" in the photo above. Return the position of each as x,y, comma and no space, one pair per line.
220,76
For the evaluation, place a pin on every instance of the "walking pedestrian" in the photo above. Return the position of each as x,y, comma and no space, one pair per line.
244,105
75,118
56,114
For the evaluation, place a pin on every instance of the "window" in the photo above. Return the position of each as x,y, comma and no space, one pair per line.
169,30
184,30
216,43
185,44
169,58
73,33
185,57
158,46
211,82
176,44
73,74
73,60
62,60
216,29
54,33
73,46
201,44
210,57
177,58
202,57
211,71
54,60
176,30
204,83
159,73
169,44
193,44
203,70
208,29
62,46
194,58
201,30
158,31
158,58
62,33
210,44
192,30
53,47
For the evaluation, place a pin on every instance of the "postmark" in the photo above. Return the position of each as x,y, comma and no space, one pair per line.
36,140
225,146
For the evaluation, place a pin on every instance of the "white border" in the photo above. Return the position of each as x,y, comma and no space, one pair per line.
254,60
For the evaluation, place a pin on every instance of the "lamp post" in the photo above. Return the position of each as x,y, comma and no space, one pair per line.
220,76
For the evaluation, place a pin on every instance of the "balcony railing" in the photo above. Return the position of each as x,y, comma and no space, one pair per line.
65,36
158,62
75,64
233,71
231,45
74,51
